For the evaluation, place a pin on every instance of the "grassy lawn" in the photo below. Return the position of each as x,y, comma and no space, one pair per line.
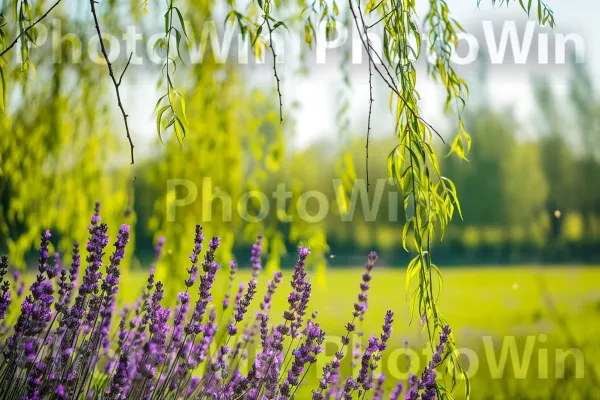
488,300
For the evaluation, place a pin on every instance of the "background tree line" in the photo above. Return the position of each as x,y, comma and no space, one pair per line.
523,200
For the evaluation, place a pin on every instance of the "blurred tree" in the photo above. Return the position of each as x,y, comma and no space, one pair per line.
57,157
557,156
587,116
503,184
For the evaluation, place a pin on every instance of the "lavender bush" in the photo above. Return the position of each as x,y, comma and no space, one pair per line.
69,342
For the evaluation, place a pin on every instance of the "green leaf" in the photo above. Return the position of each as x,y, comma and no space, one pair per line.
258,32
2,87
159,120
411,270
280,23
178,43
179,129
181,22
183,113
158,103
405,229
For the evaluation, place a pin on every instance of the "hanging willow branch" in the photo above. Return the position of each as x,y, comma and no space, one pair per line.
274,64
26,30
370,102
413,165
168,115
116,84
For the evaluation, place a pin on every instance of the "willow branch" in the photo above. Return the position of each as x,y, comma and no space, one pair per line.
125,69
390,83
383,17
24,31
370,104
275,68
369,122
116,83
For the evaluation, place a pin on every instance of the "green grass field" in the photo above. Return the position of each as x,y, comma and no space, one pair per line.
543,310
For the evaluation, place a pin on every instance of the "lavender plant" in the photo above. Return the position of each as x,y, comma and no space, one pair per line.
64,343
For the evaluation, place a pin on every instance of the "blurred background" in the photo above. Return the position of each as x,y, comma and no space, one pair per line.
521,263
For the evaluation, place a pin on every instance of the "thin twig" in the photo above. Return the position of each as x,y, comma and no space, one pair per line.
24,31
391,83
112,75
370,106
274,64
125,69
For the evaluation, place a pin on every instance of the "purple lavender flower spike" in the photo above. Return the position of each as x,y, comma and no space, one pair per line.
232,271
96,215
160,242
210,268
16,275
90,286
427,381
364,376
305,354
193,385
397,391
361,306
36,286
65,298
36,309
331,370
238,296
193,270
4,287
55,268
104,306
118,386
180,315
210,329
378,394
356,353
95,248
44,251
110,284
387,330
34,381
60,391
243,306
256,255
298,298
265,305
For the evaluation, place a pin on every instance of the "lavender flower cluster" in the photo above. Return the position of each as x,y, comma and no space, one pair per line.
63,344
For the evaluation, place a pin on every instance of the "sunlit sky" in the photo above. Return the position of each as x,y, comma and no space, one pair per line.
317,93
